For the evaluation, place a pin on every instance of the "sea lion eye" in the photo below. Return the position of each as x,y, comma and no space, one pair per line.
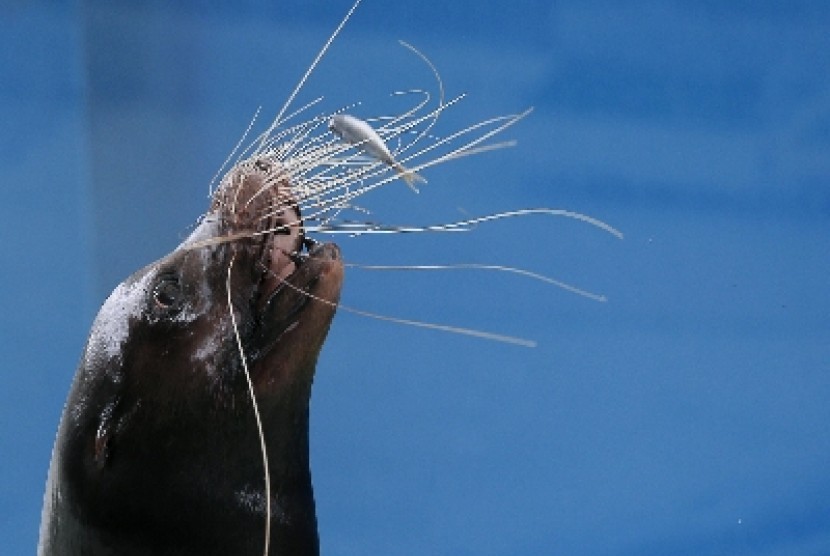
262,165
167,292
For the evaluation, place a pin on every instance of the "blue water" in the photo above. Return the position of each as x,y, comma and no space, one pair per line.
687,415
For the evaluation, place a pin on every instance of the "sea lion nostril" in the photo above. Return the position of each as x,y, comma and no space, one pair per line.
325,251
310,243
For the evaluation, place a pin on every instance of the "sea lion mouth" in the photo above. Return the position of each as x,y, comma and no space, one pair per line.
302,300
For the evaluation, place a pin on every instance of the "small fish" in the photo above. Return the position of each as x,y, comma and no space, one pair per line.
359,133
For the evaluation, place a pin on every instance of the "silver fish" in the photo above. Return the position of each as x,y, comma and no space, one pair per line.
360,134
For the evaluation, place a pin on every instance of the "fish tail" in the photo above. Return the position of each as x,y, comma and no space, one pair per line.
410,177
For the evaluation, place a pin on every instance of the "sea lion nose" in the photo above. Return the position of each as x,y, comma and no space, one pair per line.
325,252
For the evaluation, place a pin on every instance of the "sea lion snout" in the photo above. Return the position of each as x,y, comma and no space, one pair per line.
329,262
305,302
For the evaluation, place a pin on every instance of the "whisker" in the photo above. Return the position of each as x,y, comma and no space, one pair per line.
476,266
359,228
311,68
236,147
262,447
514,340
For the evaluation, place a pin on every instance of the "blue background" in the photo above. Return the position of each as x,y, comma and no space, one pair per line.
688,415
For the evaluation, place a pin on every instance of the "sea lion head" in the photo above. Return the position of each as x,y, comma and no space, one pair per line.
158,449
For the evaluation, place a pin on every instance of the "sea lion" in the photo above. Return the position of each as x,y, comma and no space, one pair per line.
161,445
158,450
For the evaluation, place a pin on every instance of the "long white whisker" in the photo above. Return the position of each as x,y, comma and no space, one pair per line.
476,266
509,121
429,63
552,212
445,328
255,405
420,324
310,69
233,152
358,228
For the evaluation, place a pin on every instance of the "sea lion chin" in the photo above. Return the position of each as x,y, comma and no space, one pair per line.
158,450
